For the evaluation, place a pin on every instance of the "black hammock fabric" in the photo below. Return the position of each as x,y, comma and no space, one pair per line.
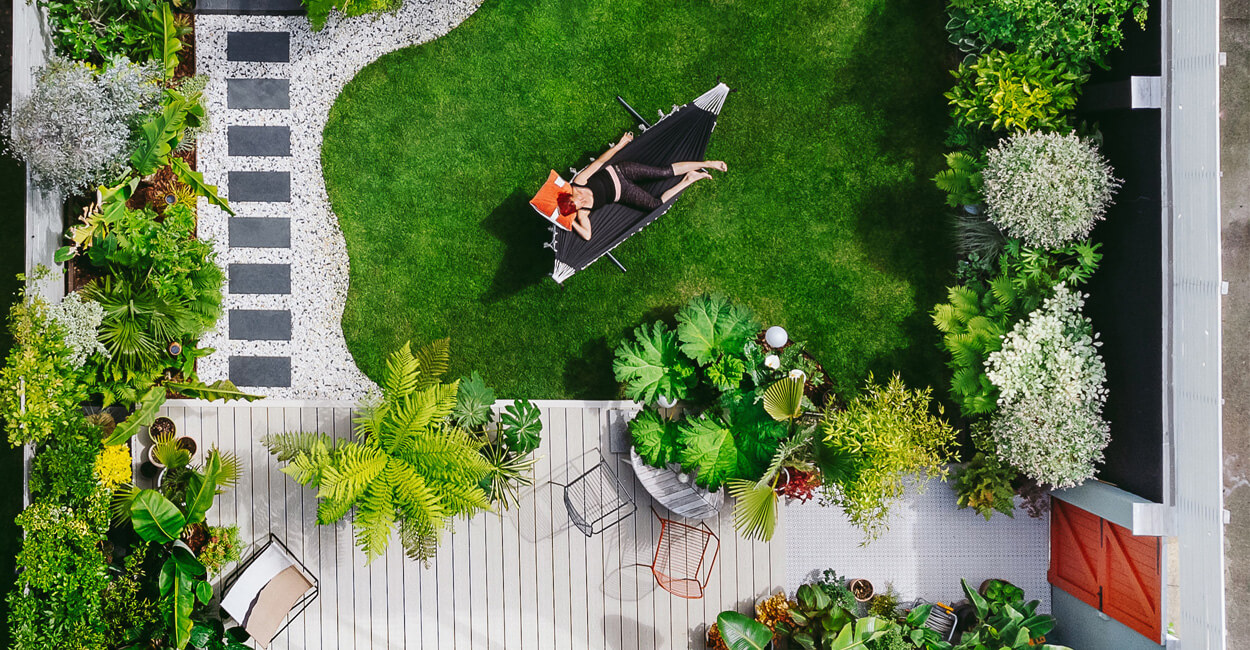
682,135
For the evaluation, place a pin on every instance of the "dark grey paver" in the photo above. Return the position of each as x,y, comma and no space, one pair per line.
268,47
250,7
261,232
258,93
260,187
260,324
260,278
266,372
259,140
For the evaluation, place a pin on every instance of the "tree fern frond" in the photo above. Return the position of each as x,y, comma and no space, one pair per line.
286,445
354,467
374,516
433,358
330,511
420,543
414,498
403,371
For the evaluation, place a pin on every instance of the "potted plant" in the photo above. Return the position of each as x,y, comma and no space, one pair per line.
739,632
861,589
187,443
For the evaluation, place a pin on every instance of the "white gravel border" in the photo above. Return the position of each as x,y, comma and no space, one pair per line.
321,64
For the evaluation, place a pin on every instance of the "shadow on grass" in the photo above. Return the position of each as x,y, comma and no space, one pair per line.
525,261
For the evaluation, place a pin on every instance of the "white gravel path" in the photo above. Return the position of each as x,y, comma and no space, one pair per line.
321,64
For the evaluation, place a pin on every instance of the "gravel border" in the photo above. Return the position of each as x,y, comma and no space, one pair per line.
321,64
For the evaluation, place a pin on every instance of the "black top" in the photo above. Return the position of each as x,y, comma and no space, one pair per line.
601,188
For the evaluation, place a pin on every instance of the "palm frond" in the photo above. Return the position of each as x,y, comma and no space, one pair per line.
755,508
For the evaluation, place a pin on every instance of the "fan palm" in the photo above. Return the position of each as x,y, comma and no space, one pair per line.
407,466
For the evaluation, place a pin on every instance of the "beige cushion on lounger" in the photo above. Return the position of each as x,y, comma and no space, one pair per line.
274,603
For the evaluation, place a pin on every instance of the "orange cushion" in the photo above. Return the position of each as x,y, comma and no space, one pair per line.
547,204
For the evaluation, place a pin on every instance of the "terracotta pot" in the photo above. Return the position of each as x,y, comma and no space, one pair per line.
861,589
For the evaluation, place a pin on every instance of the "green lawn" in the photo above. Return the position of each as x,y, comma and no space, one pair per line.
826,222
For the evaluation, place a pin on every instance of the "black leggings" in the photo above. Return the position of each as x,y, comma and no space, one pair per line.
629,173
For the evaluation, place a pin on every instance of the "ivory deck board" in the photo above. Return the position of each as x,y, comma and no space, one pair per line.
524,578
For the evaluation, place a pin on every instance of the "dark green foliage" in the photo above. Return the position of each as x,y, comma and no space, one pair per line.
961,180
893,640
825,219
473,403
130,614
1081,32
834,586
319,10
973,323
711,327
1009,91
655,438
725,372
213,635
63,472
40,389
653,366
987,484
57,602
521,425
98,30
979,239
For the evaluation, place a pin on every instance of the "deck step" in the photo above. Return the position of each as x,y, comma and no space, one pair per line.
259,140
260,324
264,372
264,47
258,94
260,278
259,187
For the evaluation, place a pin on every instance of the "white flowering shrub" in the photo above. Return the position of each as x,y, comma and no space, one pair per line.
80,324
1051,379
75,129
1047,189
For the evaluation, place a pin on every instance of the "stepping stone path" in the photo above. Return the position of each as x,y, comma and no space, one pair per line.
271,83
264,187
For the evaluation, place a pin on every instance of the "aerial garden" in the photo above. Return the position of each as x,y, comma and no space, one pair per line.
923,241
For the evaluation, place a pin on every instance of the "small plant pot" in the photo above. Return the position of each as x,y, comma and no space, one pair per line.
665,403
153,459
161,426
148,470
175,349
188,443
861,589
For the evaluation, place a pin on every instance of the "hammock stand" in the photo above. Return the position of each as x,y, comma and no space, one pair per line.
681,135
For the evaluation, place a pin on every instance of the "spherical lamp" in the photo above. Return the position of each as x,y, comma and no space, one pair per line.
776,336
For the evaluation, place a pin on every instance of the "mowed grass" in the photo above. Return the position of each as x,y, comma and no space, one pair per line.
826,222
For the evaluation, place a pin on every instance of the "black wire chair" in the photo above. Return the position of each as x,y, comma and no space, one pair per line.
597,500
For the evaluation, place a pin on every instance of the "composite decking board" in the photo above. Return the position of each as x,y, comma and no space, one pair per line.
527,552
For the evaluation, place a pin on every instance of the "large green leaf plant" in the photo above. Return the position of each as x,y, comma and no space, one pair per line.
407,468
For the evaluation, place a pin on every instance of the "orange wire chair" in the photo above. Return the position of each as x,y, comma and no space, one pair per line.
682,566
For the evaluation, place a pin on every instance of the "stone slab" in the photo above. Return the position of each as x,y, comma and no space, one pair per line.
259,187
265,47
264,372
258,93
260,324
259,140
250,7
263,232
260,278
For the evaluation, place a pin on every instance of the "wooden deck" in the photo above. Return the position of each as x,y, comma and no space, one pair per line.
521,579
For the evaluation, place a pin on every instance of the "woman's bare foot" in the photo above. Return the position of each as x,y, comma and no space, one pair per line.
697,176
718,165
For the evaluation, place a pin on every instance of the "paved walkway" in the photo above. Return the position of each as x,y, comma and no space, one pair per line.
271,84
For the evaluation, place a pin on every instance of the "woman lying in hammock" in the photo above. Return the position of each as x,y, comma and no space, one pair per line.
600,184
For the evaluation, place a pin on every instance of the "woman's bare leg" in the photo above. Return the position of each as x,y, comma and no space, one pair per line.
686,181
680,168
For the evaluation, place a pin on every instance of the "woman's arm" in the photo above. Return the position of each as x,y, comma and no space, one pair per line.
602,160
581,223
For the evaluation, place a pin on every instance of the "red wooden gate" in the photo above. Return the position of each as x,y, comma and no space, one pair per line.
1107,567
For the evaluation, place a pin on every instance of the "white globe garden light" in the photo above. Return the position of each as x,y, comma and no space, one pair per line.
776,336
665,402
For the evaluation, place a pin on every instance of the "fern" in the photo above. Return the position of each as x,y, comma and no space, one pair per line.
407,467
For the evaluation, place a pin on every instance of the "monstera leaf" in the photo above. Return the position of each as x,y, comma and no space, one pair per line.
652,366
708,446
655,438
709,326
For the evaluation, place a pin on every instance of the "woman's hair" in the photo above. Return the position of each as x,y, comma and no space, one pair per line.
565,201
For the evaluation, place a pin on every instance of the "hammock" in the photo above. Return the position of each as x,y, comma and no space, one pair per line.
681,135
